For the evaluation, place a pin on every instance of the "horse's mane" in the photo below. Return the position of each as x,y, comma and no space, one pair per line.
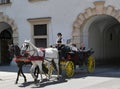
15,50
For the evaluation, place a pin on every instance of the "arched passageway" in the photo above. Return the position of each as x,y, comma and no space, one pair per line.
99,28
5,39
8,35
103,36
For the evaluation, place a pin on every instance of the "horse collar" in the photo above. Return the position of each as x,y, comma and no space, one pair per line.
43,50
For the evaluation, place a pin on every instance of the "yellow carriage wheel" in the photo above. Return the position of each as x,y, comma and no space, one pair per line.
91,64
69,69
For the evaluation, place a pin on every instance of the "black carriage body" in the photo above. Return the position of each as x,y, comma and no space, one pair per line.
77,57
69,59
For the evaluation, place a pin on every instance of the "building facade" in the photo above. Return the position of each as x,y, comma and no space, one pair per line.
92,22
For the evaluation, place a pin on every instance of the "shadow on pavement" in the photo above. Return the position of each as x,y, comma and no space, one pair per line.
105,71
44,83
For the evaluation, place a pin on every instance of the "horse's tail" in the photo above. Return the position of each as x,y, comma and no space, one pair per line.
54,64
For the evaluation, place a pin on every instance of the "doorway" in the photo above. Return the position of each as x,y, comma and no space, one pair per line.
5,40
103,36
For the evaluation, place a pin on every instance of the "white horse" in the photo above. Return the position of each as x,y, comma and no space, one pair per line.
49,55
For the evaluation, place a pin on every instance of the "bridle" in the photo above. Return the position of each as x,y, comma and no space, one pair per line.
27,47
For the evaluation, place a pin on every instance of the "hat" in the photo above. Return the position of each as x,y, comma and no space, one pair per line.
59,34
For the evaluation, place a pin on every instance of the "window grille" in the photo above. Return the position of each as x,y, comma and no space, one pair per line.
40,35
4,1
40,31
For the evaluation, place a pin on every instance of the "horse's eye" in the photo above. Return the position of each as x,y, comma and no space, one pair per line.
26,45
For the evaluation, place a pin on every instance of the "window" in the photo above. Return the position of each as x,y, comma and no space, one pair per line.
40,29
41,42
40,35
4,1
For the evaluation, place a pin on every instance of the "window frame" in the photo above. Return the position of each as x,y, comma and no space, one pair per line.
5,3
36,0
37,21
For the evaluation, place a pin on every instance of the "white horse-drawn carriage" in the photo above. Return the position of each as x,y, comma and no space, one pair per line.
47,60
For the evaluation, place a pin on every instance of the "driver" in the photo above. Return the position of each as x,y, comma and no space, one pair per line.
59,41
59,45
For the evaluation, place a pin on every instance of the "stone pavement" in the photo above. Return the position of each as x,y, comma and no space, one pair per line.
103,78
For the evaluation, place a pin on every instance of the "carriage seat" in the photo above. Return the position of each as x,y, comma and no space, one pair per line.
87,52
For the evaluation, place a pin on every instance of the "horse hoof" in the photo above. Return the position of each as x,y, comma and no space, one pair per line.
25,81
46,79
58,78
35,80
16,82
41,81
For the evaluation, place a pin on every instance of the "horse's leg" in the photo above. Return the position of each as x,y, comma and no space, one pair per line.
46,68
21,71
18,74
32,69
36,72
39,63
58,71
50,69
58,68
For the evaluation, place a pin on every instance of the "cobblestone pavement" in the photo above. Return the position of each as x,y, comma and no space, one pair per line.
103,78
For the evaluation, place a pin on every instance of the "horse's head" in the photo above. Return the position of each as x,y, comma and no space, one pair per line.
25,46
14,50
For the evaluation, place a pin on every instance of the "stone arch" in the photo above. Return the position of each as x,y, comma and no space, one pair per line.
11,22
99,9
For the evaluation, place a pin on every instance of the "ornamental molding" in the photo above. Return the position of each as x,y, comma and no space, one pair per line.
11,22
99,9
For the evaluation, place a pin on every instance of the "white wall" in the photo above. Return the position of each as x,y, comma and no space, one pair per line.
62,12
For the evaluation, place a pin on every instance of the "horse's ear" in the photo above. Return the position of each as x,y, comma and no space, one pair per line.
27,41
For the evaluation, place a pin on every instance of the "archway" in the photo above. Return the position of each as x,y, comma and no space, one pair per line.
103,37
8,34
5,39
99,28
